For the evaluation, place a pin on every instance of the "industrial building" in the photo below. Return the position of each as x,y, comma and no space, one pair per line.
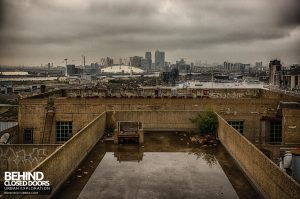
78,107
59,128
236,67
284,77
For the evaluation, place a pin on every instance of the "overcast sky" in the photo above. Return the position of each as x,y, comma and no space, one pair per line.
34,32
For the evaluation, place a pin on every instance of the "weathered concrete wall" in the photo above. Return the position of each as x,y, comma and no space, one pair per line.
291,125
156,120
230,93
19,157
55,93
266,175
224,93
32,114
59,165
82,110
275,94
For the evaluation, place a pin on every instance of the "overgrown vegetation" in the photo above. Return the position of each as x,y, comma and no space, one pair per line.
207,122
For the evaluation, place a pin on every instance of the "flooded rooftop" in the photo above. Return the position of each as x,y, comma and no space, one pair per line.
158,175
168,165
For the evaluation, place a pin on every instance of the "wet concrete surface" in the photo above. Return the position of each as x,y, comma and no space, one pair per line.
158,175
168,165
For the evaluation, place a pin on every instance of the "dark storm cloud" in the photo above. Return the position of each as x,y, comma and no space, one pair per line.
127,27
2,13
289,13
123,8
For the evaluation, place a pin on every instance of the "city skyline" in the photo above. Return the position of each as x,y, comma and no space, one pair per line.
35,32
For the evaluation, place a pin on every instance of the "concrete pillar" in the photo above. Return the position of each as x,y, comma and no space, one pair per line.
292,82
141,136
265,132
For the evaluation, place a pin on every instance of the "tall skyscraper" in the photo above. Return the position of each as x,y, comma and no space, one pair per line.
135,61
159,59
108,62
148,60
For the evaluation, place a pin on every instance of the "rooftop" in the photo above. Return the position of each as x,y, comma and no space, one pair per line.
166,163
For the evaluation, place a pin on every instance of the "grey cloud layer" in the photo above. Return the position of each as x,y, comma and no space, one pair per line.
122,27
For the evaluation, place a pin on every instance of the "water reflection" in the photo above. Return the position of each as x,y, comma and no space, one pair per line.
205,155
167,165
133,154
159,175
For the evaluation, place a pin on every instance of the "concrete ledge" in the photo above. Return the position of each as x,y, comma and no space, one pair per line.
59,165
266,175
168,129
164,120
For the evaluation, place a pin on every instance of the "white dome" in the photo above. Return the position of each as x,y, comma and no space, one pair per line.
121,69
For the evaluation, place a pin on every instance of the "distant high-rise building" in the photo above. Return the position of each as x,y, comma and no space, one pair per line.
145,64
70,69
136,61
73,70
274,68
235,67
159,59
182,66
108,62
284,77
148,58
258,64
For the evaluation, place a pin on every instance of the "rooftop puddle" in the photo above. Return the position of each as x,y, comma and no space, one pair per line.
167,165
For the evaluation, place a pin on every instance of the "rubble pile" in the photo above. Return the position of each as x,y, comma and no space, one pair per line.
206,140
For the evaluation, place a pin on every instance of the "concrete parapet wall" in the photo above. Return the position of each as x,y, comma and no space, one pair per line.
167,92
23,157
59,165
46,94
153,120
266,176
278,94
82,110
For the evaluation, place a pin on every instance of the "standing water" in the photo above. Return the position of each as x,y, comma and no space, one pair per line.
167,165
